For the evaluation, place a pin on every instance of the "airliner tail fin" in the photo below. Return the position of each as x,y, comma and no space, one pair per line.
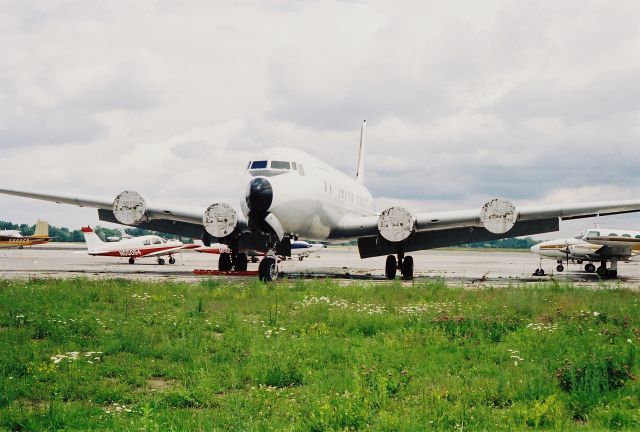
361,152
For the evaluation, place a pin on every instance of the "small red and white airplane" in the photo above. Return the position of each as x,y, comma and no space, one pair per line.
148,246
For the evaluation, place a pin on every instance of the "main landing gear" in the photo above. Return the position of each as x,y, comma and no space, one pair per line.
590,268
610,273
560,267
402,263
172,260
234,261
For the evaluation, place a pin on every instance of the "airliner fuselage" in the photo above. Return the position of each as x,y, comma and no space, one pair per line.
308,197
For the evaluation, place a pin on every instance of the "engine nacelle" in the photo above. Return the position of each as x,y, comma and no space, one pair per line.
220,219
498,216
130,208
396,224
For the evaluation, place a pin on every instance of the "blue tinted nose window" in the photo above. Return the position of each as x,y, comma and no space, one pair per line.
259,164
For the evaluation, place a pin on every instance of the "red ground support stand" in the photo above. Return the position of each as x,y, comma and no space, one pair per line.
203,272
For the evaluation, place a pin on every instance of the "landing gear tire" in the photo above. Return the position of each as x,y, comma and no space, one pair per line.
300,258
539,272
560,268
268,269
391,267
172,260
240,262
160,261
407,268
579,261
612,274
602,271
224,262
132,260
589,268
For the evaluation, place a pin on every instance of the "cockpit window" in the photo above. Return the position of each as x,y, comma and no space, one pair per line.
626,235
593,234
157,241
613,235
258,164
249,166
280,165
300,169
294,166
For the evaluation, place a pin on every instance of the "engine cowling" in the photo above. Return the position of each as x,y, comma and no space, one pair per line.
220,219
498,216
396,224
130,208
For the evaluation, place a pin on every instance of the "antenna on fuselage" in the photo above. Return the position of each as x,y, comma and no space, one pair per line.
360,169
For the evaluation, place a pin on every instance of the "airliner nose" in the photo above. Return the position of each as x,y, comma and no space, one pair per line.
259,195
535,249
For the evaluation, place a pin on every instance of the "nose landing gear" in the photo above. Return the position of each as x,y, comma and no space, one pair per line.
268,269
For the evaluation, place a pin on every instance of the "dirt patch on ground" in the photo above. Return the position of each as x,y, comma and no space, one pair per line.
35,405
157,384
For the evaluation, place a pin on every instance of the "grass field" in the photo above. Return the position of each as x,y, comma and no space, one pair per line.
316,355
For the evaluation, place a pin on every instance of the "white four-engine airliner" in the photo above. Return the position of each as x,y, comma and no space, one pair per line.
291,194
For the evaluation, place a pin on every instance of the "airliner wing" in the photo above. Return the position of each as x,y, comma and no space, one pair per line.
451,228
153,211
177,220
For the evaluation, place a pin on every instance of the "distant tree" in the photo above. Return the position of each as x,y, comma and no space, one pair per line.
104,233
508,243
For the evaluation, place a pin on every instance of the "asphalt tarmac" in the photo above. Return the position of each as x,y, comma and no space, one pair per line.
472,268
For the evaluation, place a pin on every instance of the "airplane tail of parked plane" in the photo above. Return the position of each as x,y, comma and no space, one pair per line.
361,152
42,229
91,238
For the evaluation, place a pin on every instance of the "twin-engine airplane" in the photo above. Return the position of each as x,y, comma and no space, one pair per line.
292,194
595,245
148,246
13,238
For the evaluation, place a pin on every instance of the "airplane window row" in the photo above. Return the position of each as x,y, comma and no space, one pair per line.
279,165
344,194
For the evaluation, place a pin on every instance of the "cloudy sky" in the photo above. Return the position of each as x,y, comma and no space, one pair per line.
534,101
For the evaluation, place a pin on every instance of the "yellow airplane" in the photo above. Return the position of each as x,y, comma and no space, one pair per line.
13,238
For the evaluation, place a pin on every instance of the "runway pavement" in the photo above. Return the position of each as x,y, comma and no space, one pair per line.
466,267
